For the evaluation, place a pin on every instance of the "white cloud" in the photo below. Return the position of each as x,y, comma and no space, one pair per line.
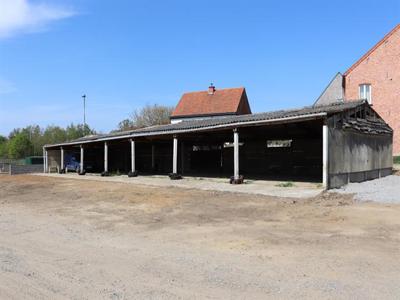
19,16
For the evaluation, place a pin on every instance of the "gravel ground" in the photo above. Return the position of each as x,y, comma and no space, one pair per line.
384,190
87,239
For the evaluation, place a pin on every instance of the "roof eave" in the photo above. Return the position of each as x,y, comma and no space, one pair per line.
304,117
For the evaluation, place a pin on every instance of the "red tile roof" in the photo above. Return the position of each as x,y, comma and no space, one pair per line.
224,101
385,38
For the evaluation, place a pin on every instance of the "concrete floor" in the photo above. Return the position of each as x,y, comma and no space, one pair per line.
257,187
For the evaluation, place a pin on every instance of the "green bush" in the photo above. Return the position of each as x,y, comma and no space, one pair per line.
396,159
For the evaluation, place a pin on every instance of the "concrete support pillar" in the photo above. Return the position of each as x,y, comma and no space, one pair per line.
236,154
45,160
82,159
105,157
325,153
133,167
62,158
175,156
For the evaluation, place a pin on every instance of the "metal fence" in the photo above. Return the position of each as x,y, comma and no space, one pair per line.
19,166
12,161
4,168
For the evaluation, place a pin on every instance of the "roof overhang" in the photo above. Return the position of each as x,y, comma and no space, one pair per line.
155,132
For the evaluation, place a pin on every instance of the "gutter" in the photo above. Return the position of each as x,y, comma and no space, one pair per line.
199,129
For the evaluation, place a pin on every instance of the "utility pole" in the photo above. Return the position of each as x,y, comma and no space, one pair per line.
84,113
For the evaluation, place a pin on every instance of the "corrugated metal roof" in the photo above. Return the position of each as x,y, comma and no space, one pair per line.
368,126
228,121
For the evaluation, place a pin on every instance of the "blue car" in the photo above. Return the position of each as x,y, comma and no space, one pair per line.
71,163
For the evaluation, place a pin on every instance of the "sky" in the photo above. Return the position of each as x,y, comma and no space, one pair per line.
124,54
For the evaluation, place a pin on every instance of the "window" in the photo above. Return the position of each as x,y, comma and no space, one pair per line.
196,148
279,143
365,92
231,145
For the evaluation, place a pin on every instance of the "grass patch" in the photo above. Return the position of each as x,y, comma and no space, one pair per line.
115,173
286,184
396,159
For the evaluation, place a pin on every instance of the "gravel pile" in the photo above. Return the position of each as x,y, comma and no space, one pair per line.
384,190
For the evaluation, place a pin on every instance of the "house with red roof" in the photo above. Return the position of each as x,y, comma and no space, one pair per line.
211,103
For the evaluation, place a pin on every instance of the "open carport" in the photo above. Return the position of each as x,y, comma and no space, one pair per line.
317,144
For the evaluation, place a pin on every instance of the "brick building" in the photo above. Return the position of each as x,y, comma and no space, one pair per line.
374,77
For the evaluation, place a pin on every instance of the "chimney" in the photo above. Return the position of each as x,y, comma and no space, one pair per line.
211,89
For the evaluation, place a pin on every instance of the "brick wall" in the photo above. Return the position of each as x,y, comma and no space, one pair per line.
381,69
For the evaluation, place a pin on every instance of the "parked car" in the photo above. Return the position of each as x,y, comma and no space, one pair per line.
71,163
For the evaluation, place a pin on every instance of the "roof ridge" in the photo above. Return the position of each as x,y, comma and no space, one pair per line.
369,52
224,89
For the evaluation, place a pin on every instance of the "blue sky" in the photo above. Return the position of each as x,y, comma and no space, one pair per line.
125,54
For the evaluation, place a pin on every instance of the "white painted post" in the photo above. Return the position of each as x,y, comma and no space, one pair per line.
82,158
236,154
153,160
62,158
325,156
47,162
44,160
133,167
175,156
105,157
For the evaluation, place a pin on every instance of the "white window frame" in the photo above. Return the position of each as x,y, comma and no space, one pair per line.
362,91
279,143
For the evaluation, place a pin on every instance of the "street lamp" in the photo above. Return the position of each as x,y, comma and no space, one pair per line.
84,113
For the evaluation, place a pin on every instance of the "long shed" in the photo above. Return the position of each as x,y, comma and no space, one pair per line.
333,144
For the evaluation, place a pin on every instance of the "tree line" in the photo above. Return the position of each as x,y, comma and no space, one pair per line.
29,141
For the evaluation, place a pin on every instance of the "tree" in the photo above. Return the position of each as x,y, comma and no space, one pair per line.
20,146
126,124
3,147
31,139
77,131
53,135
149,115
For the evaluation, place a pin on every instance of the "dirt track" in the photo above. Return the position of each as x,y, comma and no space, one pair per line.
85,239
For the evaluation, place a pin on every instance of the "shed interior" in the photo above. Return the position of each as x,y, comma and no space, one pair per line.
290,151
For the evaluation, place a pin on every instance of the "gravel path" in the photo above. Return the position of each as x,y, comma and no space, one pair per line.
384,190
